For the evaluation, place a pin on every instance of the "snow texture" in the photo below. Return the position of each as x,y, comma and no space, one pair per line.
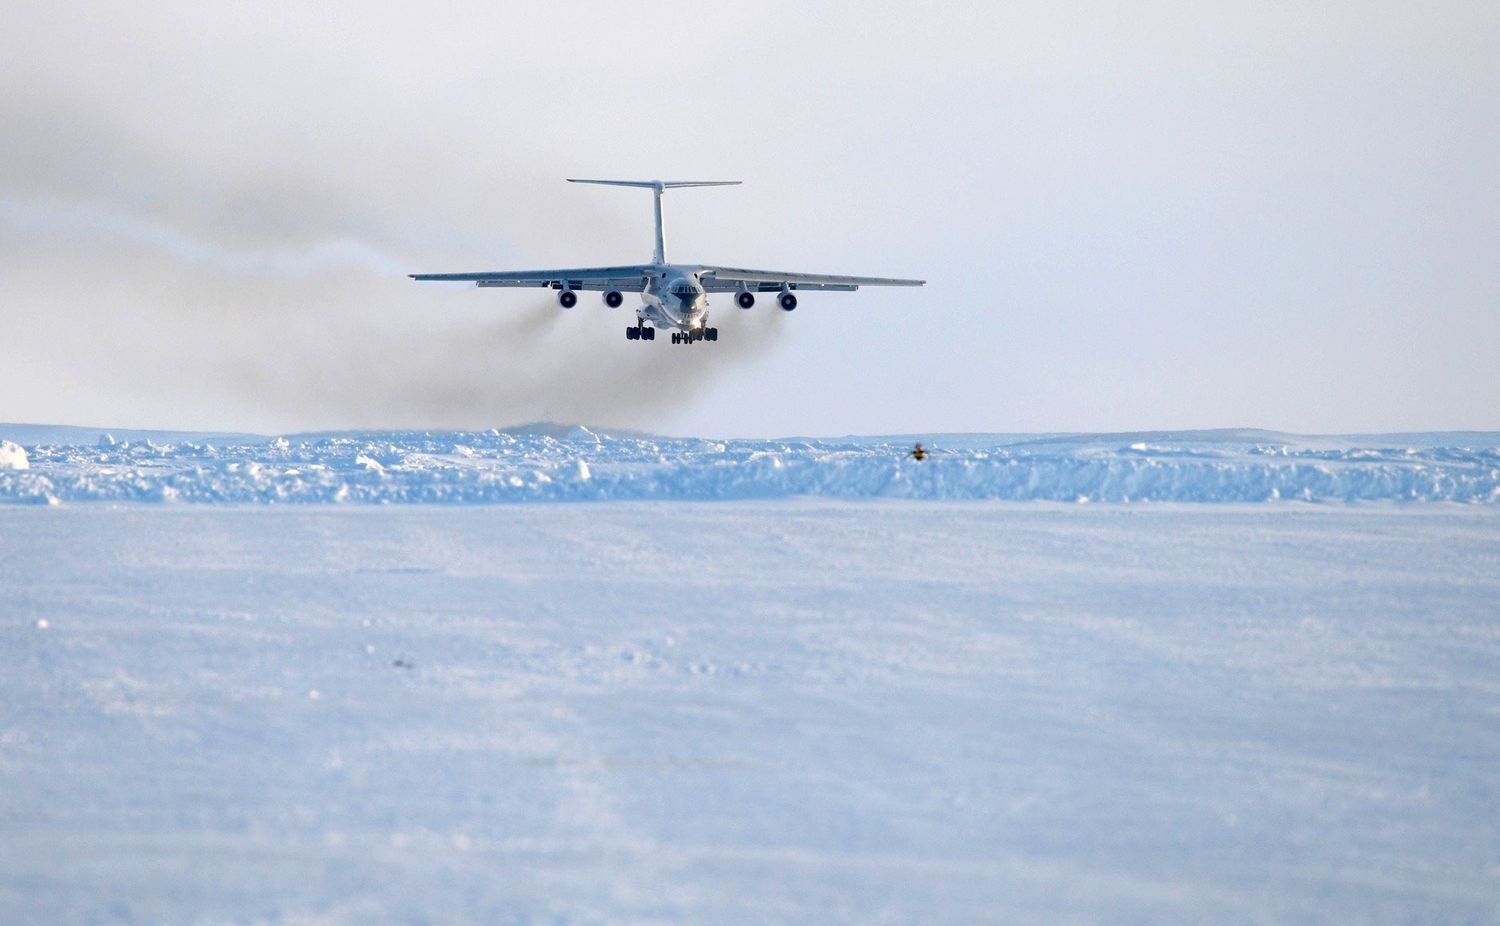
13,456
575,464
813,711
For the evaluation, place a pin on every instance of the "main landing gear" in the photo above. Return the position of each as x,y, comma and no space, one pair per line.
643,333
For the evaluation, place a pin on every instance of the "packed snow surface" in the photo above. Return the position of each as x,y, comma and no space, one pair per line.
808,711
811,701
578,465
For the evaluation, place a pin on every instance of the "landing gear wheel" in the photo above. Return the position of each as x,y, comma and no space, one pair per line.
712,334
676,337
648,334
632,334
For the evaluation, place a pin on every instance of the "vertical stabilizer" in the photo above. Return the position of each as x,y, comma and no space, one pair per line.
656,187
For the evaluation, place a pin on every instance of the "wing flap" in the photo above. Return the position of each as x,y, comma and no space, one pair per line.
726,278
601,279
712,285
624,284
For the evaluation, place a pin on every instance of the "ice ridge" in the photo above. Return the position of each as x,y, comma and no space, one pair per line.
496,467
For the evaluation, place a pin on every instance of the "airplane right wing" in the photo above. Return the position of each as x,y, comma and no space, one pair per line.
631,277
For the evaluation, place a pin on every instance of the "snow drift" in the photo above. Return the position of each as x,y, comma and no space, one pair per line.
494,467
13,456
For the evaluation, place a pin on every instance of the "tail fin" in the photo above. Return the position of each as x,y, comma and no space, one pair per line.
657,186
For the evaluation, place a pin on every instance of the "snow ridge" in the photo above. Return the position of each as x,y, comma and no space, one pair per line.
497,467
13,456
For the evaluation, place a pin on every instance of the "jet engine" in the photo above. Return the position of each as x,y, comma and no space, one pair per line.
613,298
745,299
787,301
567,299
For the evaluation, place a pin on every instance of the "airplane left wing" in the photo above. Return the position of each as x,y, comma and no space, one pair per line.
728,279
594,279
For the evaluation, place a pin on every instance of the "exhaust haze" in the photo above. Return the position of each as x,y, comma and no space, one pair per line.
280,295
535,362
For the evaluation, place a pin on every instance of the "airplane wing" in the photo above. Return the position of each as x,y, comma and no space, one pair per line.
728,279
597,279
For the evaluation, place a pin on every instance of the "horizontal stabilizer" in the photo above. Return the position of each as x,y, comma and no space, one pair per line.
660,184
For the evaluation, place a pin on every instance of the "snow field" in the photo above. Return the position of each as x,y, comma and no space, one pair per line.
773,712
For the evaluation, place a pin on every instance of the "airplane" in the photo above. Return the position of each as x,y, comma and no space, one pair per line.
674,297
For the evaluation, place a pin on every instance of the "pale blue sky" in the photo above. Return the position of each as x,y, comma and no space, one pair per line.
1133,216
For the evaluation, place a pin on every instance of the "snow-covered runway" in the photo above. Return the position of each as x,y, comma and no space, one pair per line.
750,712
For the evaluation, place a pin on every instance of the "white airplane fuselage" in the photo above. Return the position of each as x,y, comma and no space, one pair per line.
674,299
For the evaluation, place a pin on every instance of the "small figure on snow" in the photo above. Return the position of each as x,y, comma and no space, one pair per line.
918,454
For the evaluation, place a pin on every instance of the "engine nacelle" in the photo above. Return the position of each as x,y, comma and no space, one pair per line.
787,301
745,300
567,299
614,298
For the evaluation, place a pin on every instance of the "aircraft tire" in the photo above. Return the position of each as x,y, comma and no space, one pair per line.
648,334
713,334
632,334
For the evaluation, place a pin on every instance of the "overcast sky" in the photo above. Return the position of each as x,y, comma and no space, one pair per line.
1140,215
